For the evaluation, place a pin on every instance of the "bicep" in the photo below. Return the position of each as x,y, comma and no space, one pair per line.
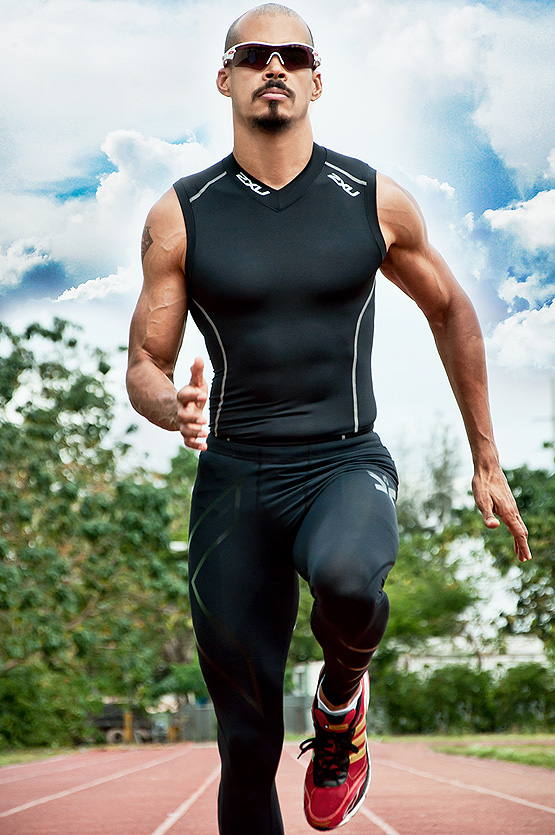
159,319
423,275
412,263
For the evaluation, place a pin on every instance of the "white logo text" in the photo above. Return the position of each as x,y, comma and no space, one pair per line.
253,186
383,487
345,186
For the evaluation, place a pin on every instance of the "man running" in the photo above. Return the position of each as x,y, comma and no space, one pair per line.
274,250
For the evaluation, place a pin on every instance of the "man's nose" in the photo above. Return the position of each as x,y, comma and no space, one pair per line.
275,69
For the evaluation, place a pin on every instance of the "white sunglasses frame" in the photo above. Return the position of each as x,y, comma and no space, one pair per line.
228,57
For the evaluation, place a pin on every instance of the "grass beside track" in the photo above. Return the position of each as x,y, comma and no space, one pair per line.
527,749
541,754
14,756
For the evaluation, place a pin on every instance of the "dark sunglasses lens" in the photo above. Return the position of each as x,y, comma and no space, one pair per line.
252,56
296,58
256,57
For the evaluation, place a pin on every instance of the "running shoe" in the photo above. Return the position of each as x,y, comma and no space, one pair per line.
338,775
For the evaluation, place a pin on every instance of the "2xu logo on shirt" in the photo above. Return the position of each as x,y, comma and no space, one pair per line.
253,186
345,186
258,189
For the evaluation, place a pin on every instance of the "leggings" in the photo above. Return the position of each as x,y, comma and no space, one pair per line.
260,516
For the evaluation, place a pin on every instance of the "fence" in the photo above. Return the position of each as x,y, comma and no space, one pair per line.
199,721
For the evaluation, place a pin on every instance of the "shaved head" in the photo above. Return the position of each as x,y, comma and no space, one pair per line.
266,10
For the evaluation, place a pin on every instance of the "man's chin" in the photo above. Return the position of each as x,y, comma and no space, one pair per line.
271,123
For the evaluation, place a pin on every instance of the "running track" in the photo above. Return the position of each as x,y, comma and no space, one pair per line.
154,790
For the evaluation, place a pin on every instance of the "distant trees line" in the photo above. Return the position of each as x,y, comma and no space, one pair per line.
94,601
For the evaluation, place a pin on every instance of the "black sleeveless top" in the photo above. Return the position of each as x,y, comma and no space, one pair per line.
281,285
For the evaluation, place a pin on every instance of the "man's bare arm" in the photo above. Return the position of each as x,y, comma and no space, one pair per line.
157,330
420,271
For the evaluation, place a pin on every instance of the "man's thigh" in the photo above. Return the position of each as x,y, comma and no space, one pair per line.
349,537
243,584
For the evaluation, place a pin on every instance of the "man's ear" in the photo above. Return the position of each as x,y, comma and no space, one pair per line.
316,85
222,81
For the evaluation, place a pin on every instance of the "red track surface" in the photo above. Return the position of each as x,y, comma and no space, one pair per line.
154,790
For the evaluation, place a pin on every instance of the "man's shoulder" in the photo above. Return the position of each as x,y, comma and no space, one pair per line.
191,184
348,164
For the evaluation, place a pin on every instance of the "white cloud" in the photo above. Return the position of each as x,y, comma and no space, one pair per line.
534,290
532,221
518,109
75,70
433,184
525,340
98,288
18,259
102,231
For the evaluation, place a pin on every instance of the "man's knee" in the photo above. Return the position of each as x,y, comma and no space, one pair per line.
349,598
253,753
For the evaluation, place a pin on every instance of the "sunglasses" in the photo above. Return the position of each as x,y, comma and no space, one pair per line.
293,56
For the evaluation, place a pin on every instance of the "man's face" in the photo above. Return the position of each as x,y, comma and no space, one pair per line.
271,99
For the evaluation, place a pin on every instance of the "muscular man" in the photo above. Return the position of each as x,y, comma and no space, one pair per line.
274,250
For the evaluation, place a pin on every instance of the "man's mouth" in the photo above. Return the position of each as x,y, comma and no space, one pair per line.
274,91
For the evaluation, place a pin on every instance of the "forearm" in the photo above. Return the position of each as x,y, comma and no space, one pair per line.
461,347
153,394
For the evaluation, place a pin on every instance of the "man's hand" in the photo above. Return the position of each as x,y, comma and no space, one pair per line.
191,400
492,495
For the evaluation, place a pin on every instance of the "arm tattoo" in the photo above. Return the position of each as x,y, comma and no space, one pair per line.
146,242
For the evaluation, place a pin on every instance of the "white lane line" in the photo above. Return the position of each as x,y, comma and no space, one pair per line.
371,816
491,763
381,824
84,786
460,785
15,778
173,817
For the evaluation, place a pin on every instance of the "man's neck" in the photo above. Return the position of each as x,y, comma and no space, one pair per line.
276,159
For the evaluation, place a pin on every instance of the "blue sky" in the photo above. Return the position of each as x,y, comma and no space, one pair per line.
106,102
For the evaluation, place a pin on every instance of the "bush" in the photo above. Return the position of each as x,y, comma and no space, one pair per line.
461,699
525,699
401,697
42,707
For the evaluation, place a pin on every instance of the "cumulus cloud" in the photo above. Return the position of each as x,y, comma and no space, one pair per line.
517,111
98,288
535,290
103,231
525,340
532,221
433,184
18,259
78,69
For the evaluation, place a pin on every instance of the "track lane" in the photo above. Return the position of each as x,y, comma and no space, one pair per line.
173,790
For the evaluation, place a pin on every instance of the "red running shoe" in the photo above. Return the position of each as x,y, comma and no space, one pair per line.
338,775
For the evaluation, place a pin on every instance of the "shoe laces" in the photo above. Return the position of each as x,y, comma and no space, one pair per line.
331,754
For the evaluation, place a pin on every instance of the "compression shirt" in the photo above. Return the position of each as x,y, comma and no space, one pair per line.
281,285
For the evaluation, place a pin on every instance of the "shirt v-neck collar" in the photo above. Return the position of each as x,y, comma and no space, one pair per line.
276,199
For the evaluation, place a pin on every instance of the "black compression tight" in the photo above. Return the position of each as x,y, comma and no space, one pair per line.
259,516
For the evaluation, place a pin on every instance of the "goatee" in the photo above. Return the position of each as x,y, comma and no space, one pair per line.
272,121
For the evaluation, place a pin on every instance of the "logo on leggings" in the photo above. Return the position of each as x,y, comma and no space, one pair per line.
383,486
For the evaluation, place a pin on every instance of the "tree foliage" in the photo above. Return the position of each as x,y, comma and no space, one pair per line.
429,594
88,583
461,699
534,491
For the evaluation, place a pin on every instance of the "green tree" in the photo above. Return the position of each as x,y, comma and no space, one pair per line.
534,491
89,586
428,591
